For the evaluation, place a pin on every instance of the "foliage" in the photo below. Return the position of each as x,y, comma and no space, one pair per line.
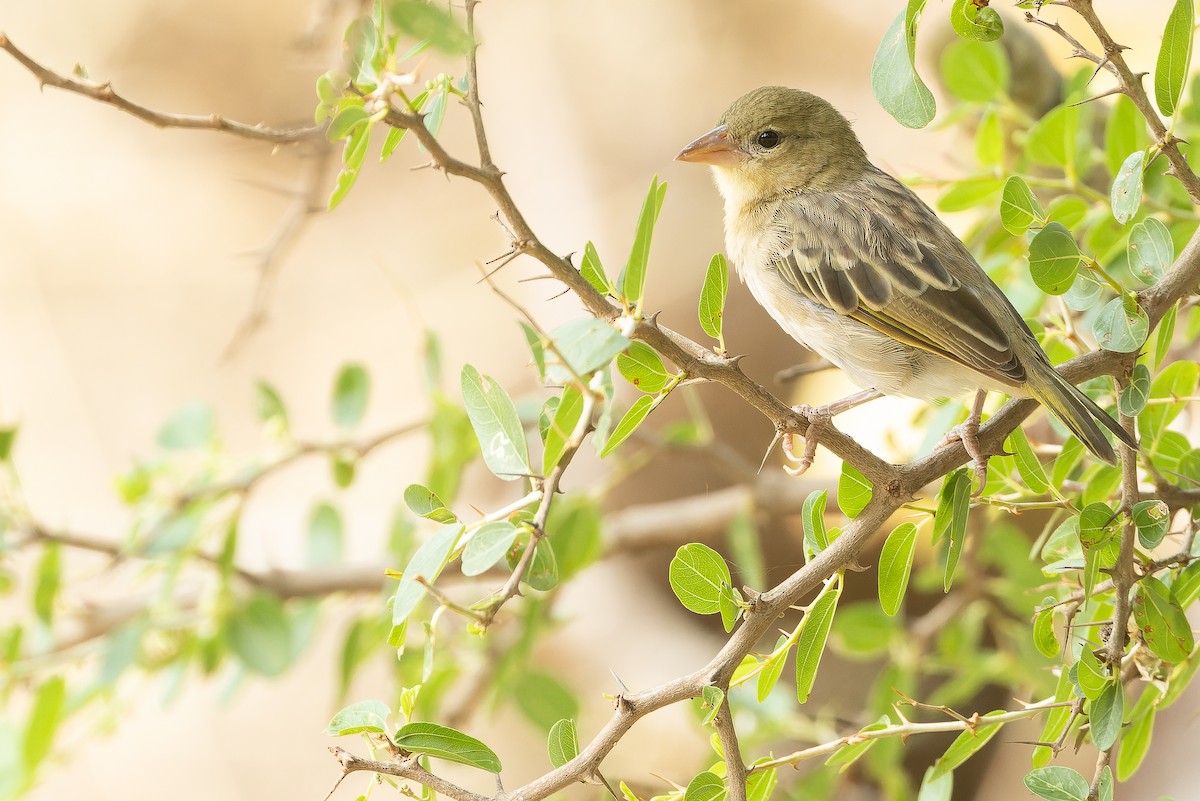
1074,213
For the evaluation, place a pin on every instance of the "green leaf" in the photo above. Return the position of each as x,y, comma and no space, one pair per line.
811,644
1126,193
1050,140
1085,292
361,43
47,582
1151,250
1105,715
978,23
1135,744
430,22
1096,523
193,426
632,280
1124,133
1090,674
487,546
392,141
1053,259
1177,380
497,426
1165,336
1044,638
629,423
324,536
989,140
895,566
712,296
1057,783
424,503
1031,470
1121,325
1152,519
712,698
350,393
426,563
261,635
1019,208
773,667
49,703
854,491
585,345
697,573
269,406
362,716
575,525
1174,57
346,121
544,699
847,755
969,193
563,743
1133,398
812,518
1164,626
1186,587
343,185
974,71
965,745
940,788
761,784
642,367
593,271
894,78
950,519
566,418
705,786
446,743
543,569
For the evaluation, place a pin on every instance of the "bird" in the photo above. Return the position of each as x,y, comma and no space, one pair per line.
853,265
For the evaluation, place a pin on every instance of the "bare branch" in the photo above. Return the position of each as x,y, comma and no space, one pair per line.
104,93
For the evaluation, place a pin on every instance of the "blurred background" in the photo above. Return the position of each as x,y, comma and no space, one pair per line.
130,258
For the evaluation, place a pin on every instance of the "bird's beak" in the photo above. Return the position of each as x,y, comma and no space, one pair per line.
715,148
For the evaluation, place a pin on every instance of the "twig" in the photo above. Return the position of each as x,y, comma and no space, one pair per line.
406,768
306,202
104,93
908,729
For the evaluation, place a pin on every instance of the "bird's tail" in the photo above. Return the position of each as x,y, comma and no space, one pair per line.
1077,411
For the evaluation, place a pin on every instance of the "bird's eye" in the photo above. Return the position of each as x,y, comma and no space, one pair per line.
768,139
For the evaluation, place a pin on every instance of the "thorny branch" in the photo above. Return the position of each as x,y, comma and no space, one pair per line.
893,485
104,93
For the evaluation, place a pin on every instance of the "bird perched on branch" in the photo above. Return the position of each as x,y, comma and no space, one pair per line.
852,264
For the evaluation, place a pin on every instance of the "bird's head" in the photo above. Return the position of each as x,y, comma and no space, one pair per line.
776,140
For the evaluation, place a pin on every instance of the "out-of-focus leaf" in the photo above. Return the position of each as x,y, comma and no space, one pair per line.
1174,56
496,424
894,78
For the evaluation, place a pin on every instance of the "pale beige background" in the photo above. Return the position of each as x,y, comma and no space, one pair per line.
121,284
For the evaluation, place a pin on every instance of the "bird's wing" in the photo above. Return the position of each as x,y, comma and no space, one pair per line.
866,259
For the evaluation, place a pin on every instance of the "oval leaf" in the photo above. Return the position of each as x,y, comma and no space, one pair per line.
446,743
497,426
1019,208
1164,626
712,296
894,79
359,717
895,566
563,743
1053,259
1121,325
1126,193
1150,249
811,644
697,574
487,546
642,367
1055,783
1174,57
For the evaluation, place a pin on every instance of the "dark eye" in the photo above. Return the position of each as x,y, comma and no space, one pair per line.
768,139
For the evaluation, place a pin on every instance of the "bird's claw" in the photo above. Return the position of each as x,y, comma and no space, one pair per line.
968,434
805,460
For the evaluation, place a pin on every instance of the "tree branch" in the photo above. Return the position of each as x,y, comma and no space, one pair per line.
104,93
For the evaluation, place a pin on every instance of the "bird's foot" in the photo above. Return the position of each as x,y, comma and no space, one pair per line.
805,460
968,434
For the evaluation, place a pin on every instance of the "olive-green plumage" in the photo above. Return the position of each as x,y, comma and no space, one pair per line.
855,266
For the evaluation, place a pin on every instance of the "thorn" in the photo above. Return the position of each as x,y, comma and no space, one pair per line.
1116,90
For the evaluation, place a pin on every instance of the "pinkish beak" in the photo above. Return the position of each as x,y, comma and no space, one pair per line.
715,148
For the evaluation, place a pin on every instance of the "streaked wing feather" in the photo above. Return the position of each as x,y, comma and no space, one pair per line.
857,262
